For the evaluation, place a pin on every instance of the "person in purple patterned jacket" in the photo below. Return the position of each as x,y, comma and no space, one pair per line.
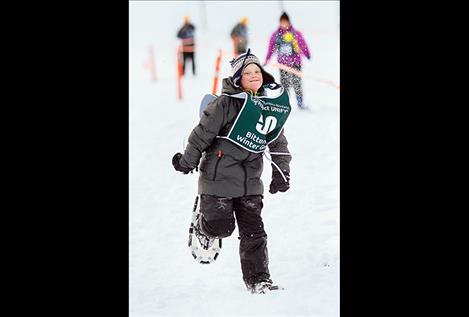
289,45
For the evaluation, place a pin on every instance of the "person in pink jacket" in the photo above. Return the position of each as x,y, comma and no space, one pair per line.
289,45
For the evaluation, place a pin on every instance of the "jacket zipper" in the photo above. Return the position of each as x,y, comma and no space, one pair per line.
245,175
220,155
245,180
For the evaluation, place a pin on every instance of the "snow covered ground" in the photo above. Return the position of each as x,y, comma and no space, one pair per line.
302,224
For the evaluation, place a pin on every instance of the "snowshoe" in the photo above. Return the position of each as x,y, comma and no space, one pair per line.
204,249
263,287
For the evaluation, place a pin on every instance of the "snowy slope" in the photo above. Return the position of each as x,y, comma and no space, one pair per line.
302,224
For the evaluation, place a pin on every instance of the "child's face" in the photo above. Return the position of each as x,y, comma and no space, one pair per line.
251,78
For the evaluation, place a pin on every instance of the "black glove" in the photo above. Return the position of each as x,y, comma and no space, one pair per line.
278,183
177,164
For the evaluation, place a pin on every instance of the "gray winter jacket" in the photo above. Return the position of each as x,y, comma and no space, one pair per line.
227,170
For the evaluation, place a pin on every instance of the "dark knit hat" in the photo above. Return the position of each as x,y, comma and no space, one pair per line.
284,16
239,63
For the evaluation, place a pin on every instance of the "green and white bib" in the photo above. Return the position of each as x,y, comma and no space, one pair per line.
260,121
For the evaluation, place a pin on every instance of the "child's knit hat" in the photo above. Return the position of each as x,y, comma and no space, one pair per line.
239,63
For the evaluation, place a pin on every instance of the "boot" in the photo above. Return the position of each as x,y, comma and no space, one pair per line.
262,287
205,241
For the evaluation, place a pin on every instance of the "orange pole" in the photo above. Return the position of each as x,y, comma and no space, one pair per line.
153,66
217,71
179,72
288,69
150,64
300,74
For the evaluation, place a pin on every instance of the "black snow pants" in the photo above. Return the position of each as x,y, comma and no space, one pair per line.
186,56
288,79
218,220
